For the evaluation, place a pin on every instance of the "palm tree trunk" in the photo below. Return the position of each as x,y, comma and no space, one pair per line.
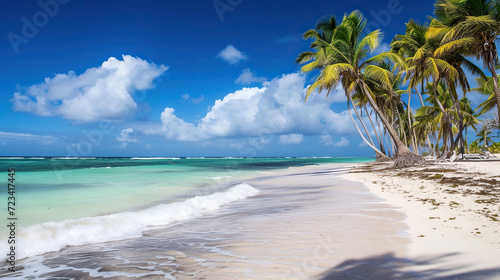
379,153
429,146
460,136
394,149
401,147
423,104
360,119
383,136
409,121
380,143
491,67
484,140
445,114
466,144
416,145
420,93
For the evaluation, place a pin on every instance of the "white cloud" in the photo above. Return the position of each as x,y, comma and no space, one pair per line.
232,55
100,93
277,108
342,143
13,136
326,139
125,137
248,77
190,99
291,139
336,95
362,145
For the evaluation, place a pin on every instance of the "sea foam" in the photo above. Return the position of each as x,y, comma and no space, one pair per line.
54,236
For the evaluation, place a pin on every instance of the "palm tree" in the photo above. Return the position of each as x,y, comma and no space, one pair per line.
452,69
322,34
347,65
388,99
486,87
472,26
495,148
469,117
431,119
424,62
414,47
484,137
474,147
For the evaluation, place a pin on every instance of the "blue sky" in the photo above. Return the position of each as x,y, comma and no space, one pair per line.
173,78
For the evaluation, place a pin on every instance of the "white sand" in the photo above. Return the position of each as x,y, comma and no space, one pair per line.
306,223
311,223
446,218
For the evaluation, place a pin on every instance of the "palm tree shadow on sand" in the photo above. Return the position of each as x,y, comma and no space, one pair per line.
389,267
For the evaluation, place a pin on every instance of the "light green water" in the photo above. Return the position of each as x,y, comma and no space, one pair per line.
60,189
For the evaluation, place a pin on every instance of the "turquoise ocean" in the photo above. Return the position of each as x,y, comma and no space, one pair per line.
66,202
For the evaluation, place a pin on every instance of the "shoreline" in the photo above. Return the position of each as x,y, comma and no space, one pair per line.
305,223
451,210
320,222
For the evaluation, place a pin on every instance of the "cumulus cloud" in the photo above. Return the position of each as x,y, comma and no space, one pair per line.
247,77
188,98
100,93
336,95
232,55
342,143
327,139
276,108
125,137
291,139
362,145
40,139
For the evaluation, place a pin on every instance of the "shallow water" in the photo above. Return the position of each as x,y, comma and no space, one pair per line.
160,248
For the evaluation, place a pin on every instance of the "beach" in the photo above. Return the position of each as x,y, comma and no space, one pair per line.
452,213
326,221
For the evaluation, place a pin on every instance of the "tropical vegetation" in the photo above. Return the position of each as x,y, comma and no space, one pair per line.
431,61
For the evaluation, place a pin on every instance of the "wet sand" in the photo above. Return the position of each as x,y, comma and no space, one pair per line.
306,223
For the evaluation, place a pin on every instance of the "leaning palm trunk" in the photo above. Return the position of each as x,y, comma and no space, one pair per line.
383,136
491,67
404,156
429,146
417,145
377,151
394,150
410,130
379,140
360,119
